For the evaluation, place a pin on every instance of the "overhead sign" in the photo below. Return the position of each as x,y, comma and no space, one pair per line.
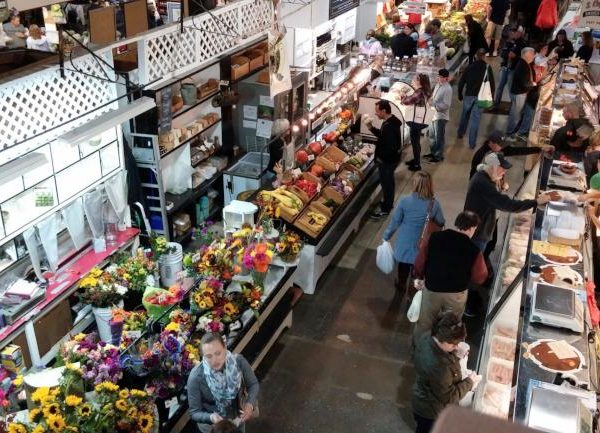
413,7
339,7
590,14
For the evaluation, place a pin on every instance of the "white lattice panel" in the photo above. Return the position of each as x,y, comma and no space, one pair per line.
38,103
205,37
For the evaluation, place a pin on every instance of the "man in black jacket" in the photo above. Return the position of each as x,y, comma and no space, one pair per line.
387,154
403,44
522,83
484,197
472,79
510,53
496,143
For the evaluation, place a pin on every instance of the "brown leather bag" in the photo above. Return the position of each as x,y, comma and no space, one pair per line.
429,227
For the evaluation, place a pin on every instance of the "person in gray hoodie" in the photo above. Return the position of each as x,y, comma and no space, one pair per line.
222,386
440,102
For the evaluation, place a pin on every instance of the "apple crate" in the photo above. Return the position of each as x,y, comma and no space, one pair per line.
335,154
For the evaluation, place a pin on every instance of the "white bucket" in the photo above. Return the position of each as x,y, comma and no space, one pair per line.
103,317
170,265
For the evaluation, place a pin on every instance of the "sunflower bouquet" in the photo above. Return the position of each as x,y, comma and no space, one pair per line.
217,260
289,246
100,289
252,296
206,295
112,409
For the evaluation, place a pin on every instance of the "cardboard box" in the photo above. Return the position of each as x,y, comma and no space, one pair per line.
264,77
240,66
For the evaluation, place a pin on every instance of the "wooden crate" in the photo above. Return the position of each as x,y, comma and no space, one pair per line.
303,221
256,58
240,66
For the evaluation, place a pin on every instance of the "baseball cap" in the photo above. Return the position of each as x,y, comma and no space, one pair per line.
496,159
595,182
444,73
497,137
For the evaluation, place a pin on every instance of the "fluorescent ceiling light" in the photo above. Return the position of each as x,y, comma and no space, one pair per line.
107,120
20,166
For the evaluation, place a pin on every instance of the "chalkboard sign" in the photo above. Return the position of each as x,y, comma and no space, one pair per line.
166,96
339,7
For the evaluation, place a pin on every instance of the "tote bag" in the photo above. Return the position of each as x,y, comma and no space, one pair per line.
429,227
484,97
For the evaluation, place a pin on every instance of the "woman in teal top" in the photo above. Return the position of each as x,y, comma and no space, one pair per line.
409,219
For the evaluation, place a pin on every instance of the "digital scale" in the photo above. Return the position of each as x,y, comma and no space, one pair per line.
557,412
557,306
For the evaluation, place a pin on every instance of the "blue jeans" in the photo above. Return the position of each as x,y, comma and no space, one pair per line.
505,79
438,136
527,119
517,104
470,110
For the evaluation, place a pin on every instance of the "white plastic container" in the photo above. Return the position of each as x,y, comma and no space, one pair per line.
237,213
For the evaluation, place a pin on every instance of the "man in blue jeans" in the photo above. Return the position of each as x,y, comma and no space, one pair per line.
523,82
440,102
510,53
472,79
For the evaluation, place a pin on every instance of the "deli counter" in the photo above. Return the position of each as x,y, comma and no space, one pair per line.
538,354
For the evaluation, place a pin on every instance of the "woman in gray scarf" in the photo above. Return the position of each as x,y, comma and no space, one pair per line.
222,386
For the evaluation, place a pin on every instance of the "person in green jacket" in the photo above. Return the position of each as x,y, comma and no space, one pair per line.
439,380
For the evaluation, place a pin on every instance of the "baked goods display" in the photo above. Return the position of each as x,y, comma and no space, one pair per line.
503,348
556,254
496,399
555,356
499,371
516,251
562,276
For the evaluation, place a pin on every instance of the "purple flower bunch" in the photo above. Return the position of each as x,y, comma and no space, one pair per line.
99,361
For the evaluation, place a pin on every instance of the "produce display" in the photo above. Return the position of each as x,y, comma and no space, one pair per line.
287,202
477,8
454,32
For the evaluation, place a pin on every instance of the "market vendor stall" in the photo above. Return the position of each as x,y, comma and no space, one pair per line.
539,331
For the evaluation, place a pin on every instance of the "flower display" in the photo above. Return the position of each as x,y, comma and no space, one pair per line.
210,323
203,233
252,294
288,246
58,411
257,257
99,361
167,359
100,289
206,295
156,301
160,246
217,260
10,386
134,272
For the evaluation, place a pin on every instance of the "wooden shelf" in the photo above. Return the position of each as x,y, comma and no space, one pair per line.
187,108
193,137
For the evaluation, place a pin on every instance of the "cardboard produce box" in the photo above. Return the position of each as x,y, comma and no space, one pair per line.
257,59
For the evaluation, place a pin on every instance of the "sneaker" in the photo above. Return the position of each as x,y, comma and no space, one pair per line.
414,167
460,137
378,214
411,162
434,160
487,54
429,155
510,138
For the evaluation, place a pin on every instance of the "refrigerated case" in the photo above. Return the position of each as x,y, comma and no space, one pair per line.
504,360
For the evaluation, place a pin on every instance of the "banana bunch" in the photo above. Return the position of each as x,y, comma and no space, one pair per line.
285,198
316,219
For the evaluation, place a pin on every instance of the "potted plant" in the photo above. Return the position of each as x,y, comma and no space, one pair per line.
100,290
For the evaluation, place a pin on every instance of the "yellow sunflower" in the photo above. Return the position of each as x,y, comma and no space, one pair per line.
121,405
229,309
124,394
172,327
73,400
79,337
40,394
34,414
85,410
51,410
107,386
56,423
18,380
145,423
132,413
138,393
17,428
39,429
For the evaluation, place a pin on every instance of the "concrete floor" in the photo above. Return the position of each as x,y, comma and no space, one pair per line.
345,366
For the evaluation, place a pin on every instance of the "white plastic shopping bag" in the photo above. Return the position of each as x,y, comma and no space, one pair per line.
484,97
385,257
415,307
